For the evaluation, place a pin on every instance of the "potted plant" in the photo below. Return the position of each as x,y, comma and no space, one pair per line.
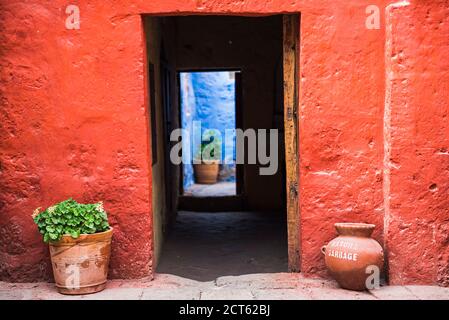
207,161
79,238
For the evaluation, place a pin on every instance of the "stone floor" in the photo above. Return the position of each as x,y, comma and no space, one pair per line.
232,255
219,189
204,245
273,286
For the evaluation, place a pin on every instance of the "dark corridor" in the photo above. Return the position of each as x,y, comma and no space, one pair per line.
204,246
203,238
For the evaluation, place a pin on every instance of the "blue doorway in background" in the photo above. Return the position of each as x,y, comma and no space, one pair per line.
208,98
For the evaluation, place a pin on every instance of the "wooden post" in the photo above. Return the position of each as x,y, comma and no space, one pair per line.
290,55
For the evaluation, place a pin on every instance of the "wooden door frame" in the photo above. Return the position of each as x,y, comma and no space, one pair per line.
290,71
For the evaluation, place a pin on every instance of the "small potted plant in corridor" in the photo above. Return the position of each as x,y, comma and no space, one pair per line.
208,158
79,237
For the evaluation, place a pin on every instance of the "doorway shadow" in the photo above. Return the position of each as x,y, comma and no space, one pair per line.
204,246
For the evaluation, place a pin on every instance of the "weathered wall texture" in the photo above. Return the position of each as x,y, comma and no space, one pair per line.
417,142
74,122
341,101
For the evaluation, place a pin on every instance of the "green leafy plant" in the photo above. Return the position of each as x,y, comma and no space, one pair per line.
70,218
210,150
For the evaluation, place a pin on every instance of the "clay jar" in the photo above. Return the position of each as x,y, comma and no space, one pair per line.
352,257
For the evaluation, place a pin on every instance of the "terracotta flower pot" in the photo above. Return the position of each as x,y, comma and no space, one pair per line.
206,173
80,265
348,256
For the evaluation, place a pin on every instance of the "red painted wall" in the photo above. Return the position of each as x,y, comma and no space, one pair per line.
372,118
74,124
417,142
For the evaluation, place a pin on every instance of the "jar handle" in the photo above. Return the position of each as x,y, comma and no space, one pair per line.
323,250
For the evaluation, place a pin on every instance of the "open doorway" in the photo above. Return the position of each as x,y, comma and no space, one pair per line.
253,226
208,103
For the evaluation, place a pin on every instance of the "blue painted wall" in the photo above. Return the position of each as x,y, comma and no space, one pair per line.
209,97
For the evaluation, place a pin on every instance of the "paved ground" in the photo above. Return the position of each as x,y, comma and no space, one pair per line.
204,246
233,255
219,189
275,286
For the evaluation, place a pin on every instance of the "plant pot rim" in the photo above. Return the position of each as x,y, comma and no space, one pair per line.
84,237
208,162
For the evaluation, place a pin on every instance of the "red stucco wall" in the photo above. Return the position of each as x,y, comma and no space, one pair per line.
417,143
372,118
74,123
